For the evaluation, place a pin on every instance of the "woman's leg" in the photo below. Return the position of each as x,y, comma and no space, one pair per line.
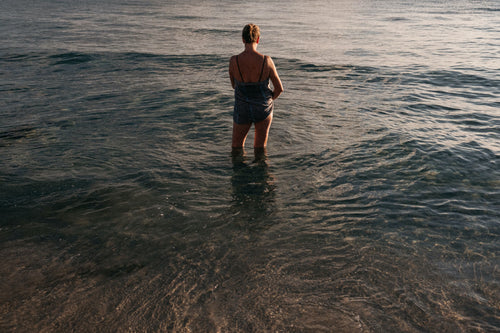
240,132
262,131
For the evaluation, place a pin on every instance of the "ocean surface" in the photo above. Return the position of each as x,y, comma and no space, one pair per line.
376,208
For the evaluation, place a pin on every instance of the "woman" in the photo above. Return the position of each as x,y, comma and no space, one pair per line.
250,72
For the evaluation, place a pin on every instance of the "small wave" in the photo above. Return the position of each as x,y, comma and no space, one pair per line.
77,58
201,59
186,17
71,58
430,106
297,65
487,9
10,136
217,32
396,19
323,68
453,79
20,57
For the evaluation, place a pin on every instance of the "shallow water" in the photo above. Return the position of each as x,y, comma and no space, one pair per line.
375,209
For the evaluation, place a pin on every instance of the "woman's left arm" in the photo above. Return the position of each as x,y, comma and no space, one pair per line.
275,79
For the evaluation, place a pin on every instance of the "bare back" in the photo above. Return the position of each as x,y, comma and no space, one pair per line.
251,66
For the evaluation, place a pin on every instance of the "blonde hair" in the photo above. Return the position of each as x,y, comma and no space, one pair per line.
251,33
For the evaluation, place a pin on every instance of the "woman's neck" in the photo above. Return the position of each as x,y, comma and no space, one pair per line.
251,47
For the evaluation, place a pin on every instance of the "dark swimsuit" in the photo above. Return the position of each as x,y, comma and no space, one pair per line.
253,101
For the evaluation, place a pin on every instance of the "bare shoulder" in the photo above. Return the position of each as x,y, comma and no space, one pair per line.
269,61
232,62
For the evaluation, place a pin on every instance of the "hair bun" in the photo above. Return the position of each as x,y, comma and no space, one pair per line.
251,33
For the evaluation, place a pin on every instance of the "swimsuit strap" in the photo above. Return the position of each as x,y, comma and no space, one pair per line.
237,63
262,69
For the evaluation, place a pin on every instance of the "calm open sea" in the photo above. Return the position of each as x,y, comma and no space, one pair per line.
122,209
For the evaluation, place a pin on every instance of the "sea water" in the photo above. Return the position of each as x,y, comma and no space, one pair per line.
377,208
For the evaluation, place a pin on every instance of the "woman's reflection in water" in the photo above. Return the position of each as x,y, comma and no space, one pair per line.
253,186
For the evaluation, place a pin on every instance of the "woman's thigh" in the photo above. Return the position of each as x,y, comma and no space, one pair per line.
262,132
240,132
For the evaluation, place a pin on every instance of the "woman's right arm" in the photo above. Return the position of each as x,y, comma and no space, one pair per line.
275,79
